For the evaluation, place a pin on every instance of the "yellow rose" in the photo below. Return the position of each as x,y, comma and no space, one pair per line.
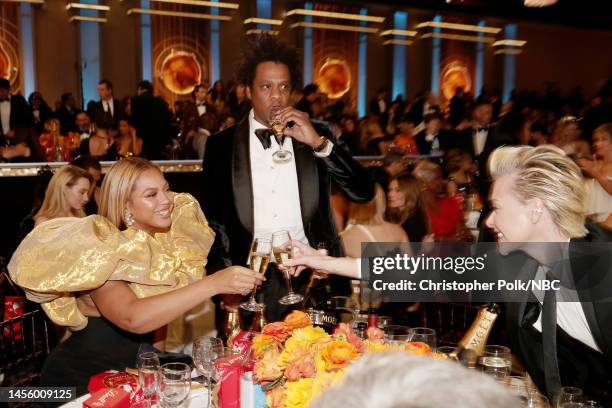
338,354
297,319
263,343
375,346
298,393
304,337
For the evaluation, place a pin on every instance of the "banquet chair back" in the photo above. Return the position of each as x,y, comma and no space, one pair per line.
24,338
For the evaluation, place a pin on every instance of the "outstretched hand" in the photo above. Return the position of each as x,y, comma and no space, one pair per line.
304,257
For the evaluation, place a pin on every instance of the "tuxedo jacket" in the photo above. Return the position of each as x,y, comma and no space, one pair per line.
227,199
153,123
579,365
424,146
21,114
99,116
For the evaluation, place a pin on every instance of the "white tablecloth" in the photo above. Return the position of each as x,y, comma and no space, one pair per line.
197,399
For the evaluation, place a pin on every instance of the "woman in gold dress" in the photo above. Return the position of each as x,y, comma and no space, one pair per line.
114,278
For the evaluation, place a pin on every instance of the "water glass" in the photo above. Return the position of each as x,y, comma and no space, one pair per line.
205,351
496,361
424,335
174,384
395,335
148,373
568,394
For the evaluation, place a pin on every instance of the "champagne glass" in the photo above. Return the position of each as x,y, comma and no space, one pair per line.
205,351
282,249
148,372
281,155
259,258
174,384
396,335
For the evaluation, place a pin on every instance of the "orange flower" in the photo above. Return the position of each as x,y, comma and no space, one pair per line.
276,397
297,319
263,343
267,368
338,354
301,367
345,332
278,330
375,334
418,347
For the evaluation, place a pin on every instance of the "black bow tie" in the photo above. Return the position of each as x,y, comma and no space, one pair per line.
264,137
5,100
482,129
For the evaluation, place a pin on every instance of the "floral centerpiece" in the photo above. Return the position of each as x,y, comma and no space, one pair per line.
295,362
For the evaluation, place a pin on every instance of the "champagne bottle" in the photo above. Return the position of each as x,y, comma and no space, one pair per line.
231,328
474,341
319,305
259,321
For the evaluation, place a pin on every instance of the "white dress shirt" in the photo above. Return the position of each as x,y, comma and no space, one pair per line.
571,318
5,116
201,108
479,139
109,106
276,196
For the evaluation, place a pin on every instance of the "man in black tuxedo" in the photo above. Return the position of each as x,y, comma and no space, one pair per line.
67,113
107,110
152,120
245,194
432,138
15,118
563,337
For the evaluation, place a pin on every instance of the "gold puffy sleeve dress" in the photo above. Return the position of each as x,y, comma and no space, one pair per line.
65,258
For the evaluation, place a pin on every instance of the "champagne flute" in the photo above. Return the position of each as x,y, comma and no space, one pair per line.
281,155
148,372
205,351
174,384
282,249
259,258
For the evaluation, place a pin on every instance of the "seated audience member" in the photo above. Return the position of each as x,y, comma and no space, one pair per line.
599,172
366,223
22,146
40,187
444,213
432,139
66,113
56,146
66,194
567,136
394,164
114,278
460,168
538,196
93,167
406,207
372,137
85,128
405,142
128,143
100,145
401,380
41,111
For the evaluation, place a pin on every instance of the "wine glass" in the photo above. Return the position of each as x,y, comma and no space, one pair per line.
174,384
259,258
419,335
205,351
282,249
568,394
281,155
148,372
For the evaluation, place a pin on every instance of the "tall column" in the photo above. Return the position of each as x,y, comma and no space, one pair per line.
400,22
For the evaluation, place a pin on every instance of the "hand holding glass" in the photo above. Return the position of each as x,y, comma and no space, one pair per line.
282,249
259,258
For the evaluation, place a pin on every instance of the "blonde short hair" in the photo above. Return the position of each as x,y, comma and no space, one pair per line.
55,204
426,170
545,172
117,187
370,213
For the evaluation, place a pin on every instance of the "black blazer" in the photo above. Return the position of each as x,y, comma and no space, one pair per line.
227,199
21,114
153,122
99,116
579,365
425,147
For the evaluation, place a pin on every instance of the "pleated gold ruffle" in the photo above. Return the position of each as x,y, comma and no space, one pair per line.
65,256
